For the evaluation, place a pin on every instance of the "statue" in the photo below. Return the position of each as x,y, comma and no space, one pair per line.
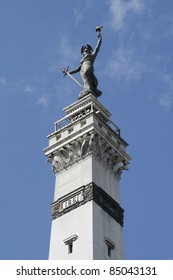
86,68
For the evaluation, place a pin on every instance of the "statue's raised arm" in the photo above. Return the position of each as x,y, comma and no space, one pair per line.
86,68
99,41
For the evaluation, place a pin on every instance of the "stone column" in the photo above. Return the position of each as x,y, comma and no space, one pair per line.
88,156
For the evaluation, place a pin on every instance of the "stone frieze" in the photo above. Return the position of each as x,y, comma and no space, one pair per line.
83,195
90,143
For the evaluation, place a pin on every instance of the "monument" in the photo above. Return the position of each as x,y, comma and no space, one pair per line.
88,156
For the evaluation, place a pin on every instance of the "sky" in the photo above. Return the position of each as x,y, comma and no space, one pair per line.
135,72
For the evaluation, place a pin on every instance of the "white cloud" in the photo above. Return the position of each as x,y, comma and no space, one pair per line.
2,81
120,8
88,4
37,92
43,100
165,23
66,51
37,89
78,16
29,89
166,101
124,65
64,55
168,80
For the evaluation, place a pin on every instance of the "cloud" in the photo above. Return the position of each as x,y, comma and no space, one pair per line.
168,80
66,51
78,16
43,100
166,99
88,3
119,10
3,85
29,89
125,65
64,55
2,81
165,25
40,98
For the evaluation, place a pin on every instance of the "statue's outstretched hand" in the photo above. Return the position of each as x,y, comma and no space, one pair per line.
65,70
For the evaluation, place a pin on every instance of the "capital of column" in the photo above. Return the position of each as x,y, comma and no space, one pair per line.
91,144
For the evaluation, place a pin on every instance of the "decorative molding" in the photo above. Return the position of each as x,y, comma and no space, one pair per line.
78,149
83,195
70,239
109,243
81,114
72,200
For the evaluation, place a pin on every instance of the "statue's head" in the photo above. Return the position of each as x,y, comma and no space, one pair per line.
87,48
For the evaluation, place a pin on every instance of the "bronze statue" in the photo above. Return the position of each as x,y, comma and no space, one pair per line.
86,68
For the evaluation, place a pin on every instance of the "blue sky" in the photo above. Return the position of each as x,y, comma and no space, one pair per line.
135,73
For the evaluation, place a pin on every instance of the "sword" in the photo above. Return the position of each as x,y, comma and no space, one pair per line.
65,71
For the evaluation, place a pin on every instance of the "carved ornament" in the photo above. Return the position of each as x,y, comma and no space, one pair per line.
78,149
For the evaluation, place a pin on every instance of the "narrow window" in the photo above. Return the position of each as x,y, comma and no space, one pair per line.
109,251
70,248
110,247
69,242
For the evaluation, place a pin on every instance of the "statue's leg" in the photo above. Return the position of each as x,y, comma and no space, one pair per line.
86,75
94,81
89,82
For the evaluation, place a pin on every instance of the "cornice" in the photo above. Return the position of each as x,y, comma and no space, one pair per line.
90,144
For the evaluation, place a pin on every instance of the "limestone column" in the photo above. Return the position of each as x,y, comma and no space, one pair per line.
88,156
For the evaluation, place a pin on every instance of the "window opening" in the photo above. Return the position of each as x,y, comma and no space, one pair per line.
110,247
70,248
69,242
109,251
